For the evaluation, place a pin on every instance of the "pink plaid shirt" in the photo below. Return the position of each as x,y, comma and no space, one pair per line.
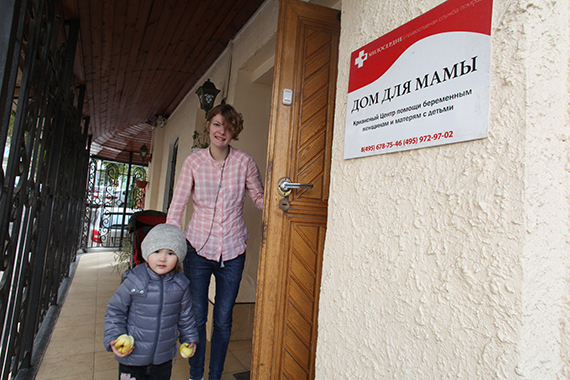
217,230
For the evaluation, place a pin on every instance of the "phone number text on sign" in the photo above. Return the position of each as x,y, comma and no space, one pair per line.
409,141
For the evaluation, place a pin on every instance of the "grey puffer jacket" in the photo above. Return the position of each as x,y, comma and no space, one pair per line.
154,309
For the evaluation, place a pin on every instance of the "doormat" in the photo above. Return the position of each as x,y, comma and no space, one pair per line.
242,375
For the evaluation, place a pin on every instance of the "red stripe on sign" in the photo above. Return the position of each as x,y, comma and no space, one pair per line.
371,61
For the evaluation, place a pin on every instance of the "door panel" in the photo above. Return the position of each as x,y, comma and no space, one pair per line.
299,147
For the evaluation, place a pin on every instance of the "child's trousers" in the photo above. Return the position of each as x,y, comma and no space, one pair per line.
150,372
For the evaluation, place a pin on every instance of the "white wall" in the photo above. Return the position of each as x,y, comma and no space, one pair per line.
453,262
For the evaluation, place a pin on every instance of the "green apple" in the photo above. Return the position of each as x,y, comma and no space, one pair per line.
124,343
186,351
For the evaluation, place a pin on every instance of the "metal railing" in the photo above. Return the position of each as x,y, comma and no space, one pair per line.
43,141
115,191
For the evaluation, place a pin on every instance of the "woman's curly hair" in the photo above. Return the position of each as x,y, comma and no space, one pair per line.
233,119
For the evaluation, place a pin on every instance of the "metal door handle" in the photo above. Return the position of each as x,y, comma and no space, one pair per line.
285,186
289,185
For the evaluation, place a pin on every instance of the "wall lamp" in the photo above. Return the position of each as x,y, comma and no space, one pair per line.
207,94
143,151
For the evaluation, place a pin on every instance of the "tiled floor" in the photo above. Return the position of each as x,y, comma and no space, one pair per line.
76,352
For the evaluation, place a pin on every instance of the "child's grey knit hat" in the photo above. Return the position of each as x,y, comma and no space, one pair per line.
164,236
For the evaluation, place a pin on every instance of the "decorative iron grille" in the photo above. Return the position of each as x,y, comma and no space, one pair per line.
42,197
115,191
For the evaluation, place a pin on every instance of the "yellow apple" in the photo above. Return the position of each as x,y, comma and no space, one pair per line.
124,343
186,351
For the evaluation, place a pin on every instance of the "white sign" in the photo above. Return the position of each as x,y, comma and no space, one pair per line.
423,84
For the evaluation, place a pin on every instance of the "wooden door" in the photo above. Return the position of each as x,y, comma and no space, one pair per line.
285,332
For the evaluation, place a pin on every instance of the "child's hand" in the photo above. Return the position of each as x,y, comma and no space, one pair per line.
116,352
187,350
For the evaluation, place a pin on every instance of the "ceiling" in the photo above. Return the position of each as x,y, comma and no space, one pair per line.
139,58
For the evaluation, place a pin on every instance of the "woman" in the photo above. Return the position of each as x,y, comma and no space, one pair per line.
217,178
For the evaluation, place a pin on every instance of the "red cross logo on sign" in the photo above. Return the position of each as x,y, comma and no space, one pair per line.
359,61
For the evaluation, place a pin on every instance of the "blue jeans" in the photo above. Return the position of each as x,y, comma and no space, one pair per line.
228,277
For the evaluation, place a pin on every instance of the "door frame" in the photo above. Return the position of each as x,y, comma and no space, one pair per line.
270,294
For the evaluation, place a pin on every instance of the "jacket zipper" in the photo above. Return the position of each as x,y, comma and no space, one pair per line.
158,320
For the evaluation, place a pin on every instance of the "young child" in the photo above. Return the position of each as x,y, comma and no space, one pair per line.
154,306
